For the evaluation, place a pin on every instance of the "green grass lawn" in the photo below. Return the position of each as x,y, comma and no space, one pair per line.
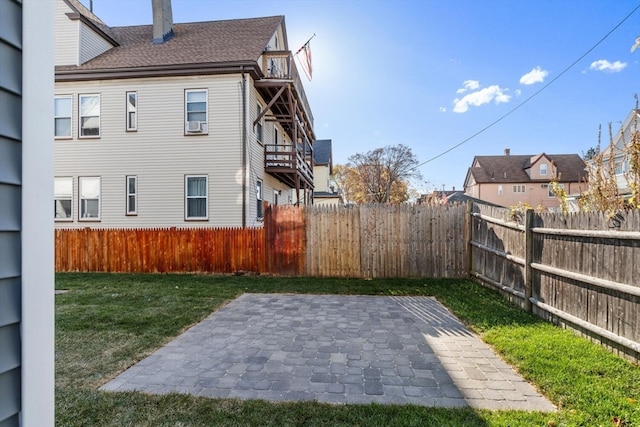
107,322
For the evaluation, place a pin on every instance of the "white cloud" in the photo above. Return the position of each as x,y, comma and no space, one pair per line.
606,66
536,75
483,96
469,85
517,92
443,109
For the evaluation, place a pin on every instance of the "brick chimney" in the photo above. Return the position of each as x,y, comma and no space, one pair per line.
507,151
162,21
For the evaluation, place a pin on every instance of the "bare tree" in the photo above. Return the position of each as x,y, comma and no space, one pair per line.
378,176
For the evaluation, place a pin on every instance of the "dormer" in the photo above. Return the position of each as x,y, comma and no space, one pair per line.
80,35
541,167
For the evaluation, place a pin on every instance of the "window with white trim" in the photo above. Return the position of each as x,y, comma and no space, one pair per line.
89,120
89,190
543,169
259,198
518,188
63,198
499,190
195,111
196,197
62,107
132,111
550,191
259,124
132,195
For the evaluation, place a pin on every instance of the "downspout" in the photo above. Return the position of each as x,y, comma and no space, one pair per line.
244,148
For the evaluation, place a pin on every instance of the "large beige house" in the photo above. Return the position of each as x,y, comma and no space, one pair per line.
176,125
511,179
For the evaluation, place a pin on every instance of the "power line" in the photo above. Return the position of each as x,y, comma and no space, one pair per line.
508,113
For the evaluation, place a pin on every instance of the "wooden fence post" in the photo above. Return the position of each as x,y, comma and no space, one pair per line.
528,259
468,225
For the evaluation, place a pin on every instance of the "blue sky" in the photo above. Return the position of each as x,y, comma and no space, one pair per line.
430,74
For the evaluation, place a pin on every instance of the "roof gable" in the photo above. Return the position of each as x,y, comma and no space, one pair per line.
86,16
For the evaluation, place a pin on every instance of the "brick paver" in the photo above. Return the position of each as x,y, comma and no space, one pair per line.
335,349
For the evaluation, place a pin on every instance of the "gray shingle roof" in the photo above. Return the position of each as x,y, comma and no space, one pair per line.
512,168
229,41
322,152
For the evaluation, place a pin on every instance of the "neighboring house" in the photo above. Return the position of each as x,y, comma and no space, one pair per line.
450,196
511,179
325,191
26,227
628,134
185,125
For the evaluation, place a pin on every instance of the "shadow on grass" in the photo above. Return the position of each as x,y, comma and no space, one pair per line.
82,408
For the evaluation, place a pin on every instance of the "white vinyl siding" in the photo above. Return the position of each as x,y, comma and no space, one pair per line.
62,113
66,47
132,195
131,108
89,191
63,198
161,155
91,44
89,116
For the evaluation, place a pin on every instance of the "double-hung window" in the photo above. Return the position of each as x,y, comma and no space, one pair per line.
543,169
196,197
259,124
89,197
89,115
63,198
132,111
196,111
132,195
62,116
259,198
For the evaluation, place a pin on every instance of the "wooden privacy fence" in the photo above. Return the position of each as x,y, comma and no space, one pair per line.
387,241
579,270
366,241
161,250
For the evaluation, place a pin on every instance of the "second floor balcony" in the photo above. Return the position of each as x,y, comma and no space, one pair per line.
289,163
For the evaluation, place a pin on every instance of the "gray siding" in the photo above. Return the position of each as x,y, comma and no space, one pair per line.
91,44
10,210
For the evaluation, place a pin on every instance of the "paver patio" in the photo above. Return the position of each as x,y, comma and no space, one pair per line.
335,349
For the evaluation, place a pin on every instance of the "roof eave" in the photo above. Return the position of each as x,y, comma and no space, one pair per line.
159,71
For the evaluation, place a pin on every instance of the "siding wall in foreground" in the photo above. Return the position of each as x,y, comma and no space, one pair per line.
10,212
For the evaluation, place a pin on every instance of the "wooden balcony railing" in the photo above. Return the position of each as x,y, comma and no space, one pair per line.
287,161
279,64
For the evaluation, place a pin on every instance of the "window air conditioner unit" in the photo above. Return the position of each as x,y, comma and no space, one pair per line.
194,127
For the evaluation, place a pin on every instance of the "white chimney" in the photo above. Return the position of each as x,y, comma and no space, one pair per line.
162,20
